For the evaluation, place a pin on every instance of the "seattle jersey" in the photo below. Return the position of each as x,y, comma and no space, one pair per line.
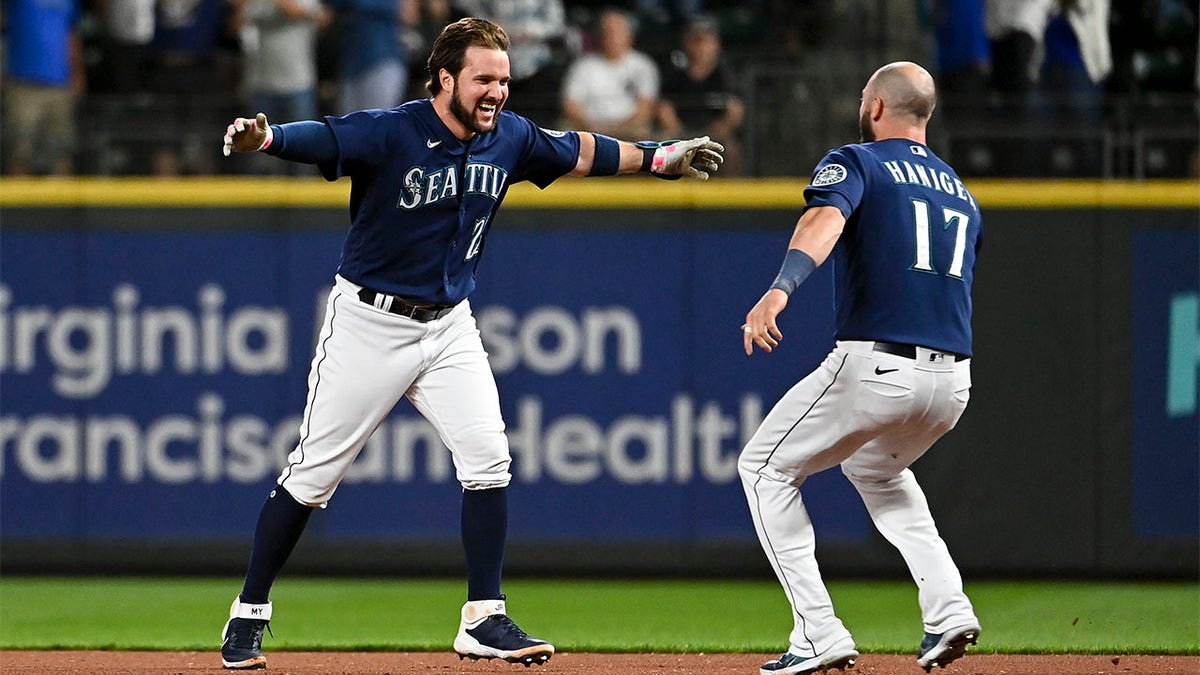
422,201
904,264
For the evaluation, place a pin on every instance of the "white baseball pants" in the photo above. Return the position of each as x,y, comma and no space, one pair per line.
874,414
365,360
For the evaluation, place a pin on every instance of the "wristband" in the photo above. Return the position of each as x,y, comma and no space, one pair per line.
649,150
652,159
607,159
797,265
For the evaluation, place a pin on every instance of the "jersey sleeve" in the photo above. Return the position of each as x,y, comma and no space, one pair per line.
546,154
362,139
837,181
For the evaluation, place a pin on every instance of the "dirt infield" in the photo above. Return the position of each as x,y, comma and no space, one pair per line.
380,663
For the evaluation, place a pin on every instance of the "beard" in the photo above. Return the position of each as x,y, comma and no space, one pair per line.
866,133
467,117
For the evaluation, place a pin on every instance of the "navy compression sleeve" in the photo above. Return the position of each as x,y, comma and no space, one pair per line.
308,142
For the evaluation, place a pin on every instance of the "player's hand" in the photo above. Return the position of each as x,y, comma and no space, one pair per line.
246,135
693,159
760,327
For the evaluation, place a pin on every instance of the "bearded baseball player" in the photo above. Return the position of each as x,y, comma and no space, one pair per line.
903,233
427,179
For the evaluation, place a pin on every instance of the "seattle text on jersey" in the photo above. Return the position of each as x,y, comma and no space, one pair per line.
422,187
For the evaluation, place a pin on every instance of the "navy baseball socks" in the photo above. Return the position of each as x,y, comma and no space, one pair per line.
484,531
486,632
939,650
840,656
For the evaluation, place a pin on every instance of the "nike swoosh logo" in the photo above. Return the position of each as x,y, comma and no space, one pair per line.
884,371
431,144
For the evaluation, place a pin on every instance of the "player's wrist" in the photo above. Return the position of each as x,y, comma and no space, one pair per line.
796,267
270,138
654,157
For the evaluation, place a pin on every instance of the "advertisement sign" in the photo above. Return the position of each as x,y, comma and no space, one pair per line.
153,383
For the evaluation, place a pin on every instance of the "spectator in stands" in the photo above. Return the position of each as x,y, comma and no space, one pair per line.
128,28
193,65
44,78
662,21
1034,37
417,41
372,64
279,39
963,52
670,12
699,93
1052,57
537,30
614,91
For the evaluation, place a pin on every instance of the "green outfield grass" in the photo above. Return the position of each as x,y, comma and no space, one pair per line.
587,615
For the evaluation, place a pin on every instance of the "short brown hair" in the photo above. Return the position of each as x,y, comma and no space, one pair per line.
450,47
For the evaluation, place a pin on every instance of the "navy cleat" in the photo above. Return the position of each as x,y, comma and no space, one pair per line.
241,638
486,632
841,656
939,650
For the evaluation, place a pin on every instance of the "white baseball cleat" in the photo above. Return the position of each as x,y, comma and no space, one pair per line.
486,632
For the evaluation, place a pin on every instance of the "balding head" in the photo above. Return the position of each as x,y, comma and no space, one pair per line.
906,97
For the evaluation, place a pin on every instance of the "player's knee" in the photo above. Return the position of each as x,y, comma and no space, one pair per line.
750,463
743,466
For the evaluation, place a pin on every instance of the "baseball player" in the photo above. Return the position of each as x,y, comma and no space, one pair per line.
427,179
903,232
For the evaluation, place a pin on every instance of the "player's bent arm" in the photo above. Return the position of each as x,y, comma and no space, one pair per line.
813,239
815,235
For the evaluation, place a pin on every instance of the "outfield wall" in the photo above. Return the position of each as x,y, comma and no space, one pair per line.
155,340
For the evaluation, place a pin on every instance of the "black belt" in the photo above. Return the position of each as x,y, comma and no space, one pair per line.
909,351
398,305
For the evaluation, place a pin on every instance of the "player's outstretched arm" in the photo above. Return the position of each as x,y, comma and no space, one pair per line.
245,135
601,155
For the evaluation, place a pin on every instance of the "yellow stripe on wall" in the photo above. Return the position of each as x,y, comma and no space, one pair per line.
639,192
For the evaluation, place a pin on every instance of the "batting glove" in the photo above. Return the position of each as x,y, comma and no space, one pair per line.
246,135
675,159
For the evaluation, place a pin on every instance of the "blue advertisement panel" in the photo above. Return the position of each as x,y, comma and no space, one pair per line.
1166,381
153,383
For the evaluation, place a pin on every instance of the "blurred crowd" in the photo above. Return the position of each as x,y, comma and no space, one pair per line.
148,85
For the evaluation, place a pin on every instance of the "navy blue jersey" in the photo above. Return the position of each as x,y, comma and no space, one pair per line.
421,201
904,263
